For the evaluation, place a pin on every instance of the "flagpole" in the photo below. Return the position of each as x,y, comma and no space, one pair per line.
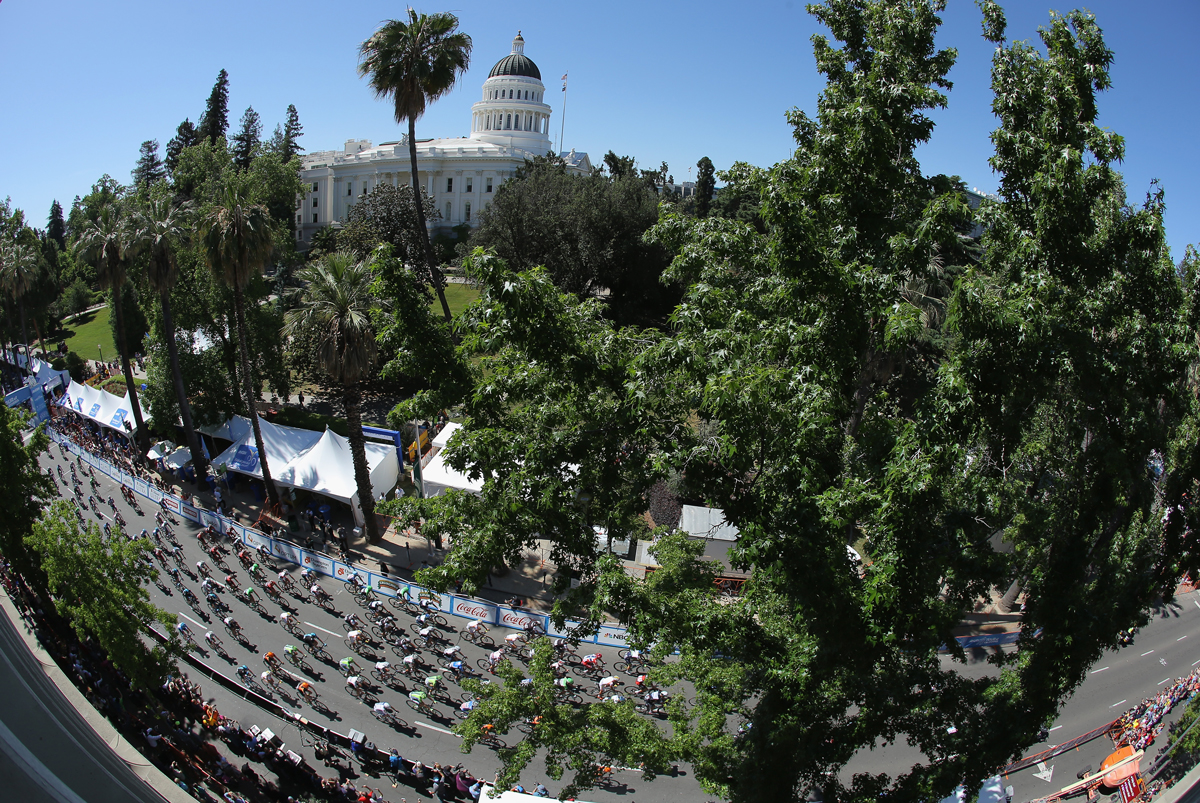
563,126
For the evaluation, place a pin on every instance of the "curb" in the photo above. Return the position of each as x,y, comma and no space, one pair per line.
151,775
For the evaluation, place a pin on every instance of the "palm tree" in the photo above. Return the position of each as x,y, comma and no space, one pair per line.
336,311
18,272
415,63
158,230
103,243
238,241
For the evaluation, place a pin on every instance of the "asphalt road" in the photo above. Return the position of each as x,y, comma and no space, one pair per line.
1166,649
422,736
1169,647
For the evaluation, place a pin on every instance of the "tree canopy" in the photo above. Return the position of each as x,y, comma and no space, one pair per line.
851,375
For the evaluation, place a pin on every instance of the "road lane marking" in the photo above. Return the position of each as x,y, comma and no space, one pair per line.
1195,662
1197,603
1147,652
436,728
323,630
1181,638
1161,682
1056,727
193,621
1114,705
1098,671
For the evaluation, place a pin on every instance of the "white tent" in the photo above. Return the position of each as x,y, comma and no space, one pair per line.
443,437
283,444
328,469
438,476
232,430
101,406
708,523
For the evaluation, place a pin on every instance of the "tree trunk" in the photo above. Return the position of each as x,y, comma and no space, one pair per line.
25,337
185,409
351,397
435,272
251,404
143,437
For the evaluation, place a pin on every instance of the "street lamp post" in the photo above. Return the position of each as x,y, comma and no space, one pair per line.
101,350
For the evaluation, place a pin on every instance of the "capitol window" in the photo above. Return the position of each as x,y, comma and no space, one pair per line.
488,186
508,122
447,210
469,183
314,203
349,187
314,186
449,185
314,217
467,211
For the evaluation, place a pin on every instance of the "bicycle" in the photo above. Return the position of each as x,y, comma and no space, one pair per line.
402,604
435,619
296,659
488,737
422,706
478,636
362,694
427,636
389,718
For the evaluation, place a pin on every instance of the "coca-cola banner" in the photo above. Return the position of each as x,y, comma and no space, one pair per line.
190,512
517,620
171,503
474,609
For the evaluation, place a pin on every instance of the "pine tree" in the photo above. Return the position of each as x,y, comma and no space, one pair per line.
185,137
246,141
215,121
292,131
705,186
57,228
149,169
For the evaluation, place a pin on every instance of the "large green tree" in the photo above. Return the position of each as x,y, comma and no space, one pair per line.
587,231
149,168
104,243
706,186
159,228
27,489
237,241
1040,426
415,62
215,120
98,585
246,142
335,312
389,215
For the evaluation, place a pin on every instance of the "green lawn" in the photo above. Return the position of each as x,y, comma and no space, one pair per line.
458,296
88,330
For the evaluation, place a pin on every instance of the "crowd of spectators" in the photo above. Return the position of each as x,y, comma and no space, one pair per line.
1139,726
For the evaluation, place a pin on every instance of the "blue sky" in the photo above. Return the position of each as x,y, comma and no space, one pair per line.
87,82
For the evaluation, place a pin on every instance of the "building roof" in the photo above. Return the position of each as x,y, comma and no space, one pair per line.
516,62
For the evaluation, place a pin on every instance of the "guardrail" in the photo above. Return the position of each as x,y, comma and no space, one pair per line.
609,635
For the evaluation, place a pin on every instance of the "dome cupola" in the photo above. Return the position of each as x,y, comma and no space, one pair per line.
516,62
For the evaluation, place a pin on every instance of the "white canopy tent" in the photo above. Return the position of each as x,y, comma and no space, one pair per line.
99,405
708,523
232,430
443,437
438,476
327,468
283,444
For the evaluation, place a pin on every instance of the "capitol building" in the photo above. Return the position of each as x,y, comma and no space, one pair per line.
509,124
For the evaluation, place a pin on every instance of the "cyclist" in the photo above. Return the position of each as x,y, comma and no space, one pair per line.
383,710
208,584
565,683
243,558
232,624
352,685
452,651
384,669
425,619
405,644
477,628
425,632
606,684
348,665
232,581
593,661
319,592
468,706
494,658
355,637
244,672
305,690
212,599
656,699
144,534
355,580
215,552
411,661
269,680
292,652
312,640
285,579
272,589
376,607
184,630
175,573
559,668
271,660
418,697
188,595
285,620
428,605
433,683
249,595
643,682
514,639
387,626
255,571
456,667
532,628
352,620
306,575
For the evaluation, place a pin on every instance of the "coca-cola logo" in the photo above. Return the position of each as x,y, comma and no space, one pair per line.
519,620
472,609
